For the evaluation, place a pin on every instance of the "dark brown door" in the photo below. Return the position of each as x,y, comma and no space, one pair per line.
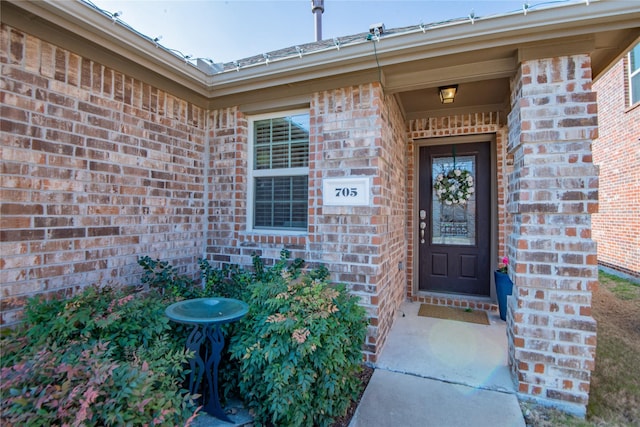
454,218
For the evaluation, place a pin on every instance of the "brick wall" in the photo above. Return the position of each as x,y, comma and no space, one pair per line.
97,169
392,215
616,226
460,125
355,132
553,190
360,132
229,242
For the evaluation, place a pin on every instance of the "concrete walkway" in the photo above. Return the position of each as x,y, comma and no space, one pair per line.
441,373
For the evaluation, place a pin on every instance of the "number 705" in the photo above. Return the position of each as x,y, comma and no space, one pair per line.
346,192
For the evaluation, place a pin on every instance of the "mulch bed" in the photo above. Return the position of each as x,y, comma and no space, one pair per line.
365,376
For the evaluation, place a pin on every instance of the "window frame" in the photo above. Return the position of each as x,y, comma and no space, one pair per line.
633,73
253,173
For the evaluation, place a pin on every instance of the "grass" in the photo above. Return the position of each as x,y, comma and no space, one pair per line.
623,289
615,386
614,399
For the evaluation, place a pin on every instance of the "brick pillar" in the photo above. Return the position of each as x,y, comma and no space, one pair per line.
358,132
553,190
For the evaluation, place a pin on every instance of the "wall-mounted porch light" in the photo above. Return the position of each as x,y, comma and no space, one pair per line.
447,93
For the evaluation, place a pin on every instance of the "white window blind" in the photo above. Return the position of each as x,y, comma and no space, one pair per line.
280,172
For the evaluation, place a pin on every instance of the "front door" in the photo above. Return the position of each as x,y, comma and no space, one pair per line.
454,218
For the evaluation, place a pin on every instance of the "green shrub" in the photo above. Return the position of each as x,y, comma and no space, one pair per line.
299,349
228,282
263,273
232,281
103,357
162,276
125,318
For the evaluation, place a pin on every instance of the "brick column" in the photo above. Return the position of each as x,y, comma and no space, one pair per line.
358,132
553,190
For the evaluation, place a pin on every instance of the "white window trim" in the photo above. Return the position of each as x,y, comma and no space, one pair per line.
632,74
251,174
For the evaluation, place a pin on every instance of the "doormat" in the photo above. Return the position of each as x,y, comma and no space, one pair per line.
451,313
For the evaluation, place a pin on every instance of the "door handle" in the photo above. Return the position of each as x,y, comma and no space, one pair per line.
423,224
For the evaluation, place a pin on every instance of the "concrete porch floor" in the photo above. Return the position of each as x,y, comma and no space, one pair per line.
434,372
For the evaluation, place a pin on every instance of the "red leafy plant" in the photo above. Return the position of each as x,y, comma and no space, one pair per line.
80,364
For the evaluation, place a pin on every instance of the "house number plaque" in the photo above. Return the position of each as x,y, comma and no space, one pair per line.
345,191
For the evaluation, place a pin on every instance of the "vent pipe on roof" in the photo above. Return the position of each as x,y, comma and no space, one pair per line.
317,8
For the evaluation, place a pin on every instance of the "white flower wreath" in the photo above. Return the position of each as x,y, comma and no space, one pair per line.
454,187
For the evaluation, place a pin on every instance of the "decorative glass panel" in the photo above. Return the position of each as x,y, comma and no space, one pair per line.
453,216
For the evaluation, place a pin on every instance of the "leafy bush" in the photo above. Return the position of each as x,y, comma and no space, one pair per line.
266,274
228,282
77,386
232,281
103,357
126,318
295,358
299,349
165,278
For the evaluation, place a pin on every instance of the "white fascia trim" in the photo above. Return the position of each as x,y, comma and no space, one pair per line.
82,20
561,21
501,30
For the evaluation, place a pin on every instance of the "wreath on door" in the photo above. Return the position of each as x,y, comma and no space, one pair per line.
454,187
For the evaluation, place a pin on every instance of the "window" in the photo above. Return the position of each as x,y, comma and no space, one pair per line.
279,175
634,75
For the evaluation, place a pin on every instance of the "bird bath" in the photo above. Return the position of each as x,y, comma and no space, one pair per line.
206,341
207,310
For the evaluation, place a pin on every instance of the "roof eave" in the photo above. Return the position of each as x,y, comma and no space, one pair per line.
511,29
79,19
507,30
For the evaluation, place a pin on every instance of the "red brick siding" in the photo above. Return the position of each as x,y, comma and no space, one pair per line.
355,132
616,226
394,193
553,190
97,169
361,133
